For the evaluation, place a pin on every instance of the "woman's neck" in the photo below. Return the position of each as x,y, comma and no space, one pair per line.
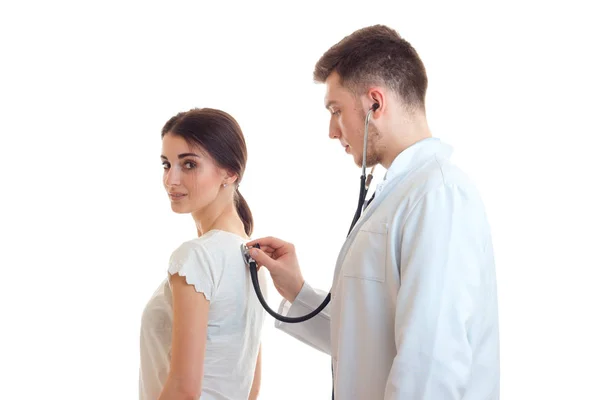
223,217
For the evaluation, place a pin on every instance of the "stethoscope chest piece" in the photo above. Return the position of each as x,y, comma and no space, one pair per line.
246,253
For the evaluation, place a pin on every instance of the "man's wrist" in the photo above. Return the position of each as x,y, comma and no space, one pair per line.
296,292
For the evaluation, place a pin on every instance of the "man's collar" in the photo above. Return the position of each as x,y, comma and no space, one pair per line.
412,157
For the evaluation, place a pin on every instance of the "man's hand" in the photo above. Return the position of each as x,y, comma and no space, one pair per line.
280,259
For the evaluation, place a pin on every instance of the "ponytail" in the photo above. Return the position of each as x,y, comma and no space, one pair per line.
244,212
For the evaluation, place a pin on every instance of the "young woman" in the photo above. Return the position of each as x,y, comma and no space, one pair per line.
200,333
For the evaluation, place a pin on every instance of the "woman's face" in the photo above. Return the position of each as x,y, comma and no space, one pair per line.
191,177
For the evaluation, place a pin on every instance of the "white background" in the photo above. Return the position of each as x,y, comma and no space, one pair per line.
86,228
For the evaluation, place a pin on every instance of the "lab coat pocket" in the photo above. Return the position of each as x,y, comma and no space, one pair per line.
367,254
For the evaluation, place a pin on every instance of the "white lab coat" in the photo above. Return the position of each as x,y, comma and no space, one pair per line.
413,314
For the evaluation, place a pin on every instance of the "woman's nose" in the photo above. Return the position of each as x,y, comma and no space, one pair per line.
172,177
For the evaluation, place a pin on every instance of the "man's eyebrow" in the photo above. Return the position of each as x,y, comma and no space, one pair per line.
331,103
182,155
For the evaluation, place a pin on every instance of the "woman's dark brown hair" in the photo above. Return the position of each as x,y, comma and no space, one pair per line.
219,134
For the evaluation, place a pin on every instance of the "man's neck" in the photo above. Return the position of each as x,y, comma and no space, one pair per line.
402,136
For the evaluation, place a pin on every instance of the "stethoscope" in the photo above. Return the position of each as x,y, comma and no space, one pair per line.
364,188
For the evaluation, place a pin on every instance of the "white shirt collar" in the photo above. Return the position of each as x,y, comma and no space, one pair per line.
412,157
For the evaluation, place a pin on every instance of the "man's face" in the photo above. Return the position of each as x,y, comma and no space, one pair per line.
347,123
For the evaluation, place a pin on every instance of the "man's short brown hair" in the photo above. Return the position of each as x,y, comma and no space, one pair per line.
376,55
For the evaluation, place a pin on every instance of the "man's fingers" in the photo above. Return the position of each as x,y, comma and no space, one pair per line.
269,241
262,259
267,249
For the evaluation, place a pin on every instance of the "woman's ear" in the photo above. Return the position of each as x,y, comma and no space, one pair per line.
229,177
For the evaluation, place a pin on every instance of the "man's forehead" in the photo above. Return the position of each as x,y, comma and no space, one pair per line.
336,98
332,94
332,90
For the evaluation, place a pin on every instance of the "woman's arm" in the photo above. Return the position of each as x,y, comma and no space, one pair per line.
256,382
188,341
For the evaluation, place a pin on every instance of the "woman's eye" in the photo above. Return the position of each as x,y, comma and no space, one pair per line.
165,165
189,164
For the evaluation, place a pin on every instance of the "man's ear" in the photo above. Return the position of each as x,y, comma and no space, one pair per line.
375,96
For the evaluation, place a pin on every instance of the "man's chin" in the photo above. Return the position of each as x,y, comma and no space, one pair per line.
371,161
357,160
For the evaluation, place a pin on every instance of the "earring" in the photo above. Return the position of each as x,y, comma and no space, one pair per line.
225,185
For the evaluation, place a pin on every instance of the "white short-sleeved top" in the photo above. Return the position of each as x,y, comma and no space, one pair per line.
214,264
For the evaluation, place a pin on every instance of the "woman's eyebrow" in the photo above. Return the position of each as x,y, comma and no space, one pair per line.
182,155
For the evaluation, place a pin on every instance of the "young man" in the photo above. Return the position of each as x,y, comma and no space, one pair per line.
413,312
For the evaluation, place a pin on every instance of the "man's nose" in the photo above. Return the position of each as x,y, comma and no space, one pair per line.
334,130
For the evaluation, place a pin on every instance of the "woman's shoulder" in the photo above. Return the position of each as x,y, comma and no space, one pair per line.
202,260
209,246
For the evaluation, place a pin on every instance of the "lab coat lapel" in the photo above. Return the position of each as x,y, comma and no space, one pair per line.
350,239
